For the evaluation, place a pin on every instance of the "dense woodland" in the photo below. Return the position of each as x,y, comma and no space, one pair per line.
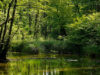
50,26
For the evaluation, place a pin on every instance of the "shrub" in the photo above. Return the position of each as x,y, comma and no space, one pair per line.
25,47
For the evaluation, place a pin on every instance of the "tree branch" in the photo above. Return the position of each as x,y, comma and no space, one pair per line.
5,22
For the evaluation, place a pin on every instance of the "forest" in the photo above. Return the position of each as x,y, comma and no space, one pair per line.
49,37
50,27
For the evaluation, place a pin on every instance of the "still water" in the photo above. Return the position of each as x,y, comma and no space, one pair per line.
50,65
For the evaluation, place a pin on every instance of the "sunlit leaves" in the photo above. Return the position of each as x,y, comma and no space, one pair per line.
1,4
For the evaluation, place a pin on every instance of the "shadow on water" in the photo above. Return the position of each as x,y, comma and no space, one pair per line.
59,65
4,69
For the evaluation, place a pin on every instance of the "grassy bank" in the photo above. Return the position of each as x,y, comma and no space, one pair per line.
54,46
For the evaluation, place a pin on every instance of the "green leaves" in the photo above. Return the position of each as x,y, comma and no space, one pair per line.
1,4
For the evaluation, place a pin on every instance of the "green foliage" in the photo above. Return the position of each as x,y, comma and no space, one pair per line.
85,36
1,4
91,49
73,26
24,46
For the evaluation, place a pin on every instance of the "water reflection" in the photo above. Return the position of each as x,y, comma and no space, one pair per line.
59,66
3,69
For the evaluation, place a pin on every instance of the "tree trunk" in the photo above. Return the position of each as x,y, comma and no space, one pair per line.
5,27
35,26
6,47
1,32
30,21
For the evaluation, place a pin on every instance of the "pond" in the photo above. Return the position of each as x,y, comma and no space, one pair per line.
50,65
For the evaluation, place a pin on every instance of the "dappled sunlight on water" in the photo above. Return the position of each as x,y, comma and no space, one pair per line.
50,65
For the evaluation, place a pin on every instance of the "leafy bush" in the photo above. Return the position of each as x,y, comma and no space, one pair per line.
92,49
85,35
24,46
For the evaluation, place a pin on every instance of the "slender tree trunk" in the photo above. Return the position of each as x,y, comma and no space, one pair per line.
36,21
36,27
1,32
23,36
6,47
30,18
30,23
77,8
46,32
5,26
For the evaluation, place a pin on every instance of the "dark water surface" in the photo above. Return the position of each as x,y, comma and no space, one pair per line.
50,65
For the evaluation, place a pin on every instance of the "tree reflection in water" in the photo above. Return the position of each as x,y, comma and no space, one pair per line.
59,66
